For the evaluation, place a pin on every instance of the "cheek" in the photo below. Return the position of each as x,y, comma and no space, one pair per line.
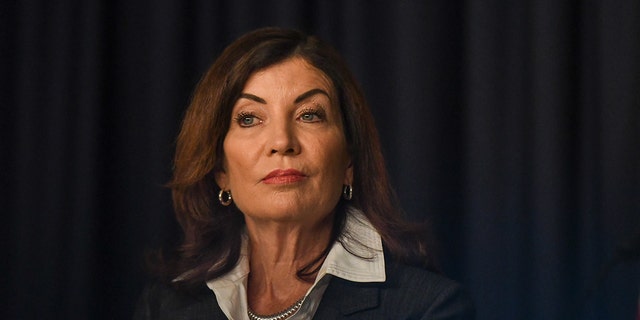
334,158
238,159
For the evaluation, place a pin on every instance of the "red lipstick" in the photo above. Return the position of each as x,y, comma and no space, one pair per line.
280,176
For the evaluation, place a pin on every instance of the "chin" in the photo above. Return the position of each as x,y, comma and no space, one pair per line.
288,214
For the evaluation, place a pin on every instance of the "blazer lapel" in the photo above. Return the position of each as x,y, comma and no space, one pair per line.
344,298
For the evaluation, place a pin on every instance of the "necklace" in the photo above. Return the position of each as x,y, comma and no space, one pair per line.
284,314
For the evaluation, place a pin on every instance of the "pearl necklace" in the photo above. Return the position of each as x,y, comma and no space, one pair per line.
284,314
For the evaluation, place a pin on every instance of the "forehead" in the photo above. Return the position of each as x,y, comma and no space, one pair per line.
293,74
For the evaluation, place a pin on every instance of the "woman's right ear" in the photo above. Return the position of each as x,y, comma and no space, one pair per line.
222,179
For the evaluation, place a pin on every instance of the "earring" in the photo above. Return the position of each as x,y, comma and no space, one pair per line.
347,192
225,197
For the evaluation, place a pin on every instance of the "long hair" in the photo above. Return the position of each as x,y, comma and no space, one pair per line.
212,232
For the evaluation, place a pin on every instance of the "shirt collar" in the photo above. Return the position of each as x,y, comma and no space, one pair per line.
358,255
361,261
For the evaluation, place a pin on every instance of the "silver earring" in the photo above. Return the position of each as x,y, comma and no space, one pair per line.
347,192
225,197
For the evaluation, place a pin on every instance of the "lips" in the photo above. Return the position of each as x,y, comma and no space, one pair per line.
287,176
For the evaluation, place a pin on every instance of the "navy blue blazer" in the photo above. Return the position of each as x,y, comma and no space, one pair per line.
408,293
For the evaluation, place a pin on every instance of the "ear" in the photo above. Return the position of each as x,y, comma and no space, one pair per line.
348,174
222,179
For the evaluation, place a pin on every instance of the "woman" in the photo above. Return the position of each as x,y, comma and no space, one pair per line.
281,190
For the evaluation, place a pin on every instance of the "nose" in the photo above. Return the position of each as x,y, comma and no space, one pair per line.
284,139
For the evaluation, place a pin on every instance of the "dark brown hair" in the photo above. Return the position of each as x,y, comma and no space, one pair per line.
212,232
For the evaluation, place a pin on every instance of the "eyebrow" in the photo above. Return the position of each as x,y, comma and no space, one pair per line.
311,93
253,97
299,99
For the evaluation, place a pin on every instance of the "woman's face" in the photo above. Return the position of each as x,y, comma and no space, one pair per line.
286,155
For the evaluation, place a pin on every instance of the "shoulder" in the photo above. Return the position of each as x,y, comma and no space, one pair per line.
162,301
426,292
407,293
407,278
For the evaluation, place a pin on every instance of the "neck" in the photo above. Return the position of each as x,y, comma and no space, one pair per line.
277,252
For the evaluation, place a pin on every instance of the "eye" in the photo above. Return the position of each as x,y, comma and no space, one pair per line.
247,119
312,115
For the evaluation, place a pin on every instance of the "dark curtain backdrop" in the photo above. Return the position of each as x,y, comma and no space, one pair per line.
512,126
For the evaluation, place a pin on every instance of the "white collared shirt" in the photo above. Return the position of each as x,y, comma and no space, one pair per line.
367,265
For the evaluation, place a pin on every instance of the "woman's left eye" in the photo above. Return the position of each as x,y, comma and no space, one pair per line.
311,116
